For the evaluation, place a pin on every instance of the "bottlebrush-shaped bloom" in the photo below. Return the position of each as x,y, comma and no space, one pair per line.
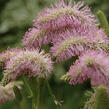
59,19
93,65
29,62
7,93
73,45
34,38
7,55
61,15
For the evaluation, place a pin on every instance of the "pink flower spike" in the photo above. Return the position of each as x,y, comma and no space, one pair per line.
71,44
29,62
35,38
62,14
93,65
51,23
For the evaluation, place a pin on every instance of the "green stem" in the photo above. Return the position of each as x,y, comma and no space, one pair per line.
49,89
27,87
33,104
103,21
52,95
38,95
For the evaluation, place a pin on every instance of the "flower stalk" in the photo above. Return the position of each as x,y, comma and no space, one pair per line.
38,95
57,103
27,87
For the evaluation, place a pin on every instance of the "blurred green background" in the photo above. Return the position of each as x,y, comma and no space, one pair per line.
16,16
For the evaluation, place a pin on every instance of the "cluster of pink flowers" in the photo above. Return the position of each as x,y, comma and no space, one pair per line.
73,31
61,15
60,19
73,45
17,62
29,62
93,65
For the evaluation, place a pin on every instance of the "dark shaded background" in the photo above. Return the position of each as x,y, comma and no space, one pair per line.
16,17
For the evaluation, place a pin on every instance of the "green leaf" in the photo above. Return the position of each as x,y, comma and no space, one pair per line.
103,22
101,99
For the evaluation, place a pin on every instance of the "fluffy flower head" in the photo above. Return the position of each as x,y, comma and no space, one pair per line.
35,38
73,45
29,62
93,65
61,14
57,20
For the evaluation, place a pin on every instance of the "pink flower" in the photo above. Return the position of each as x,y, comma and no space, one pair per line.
35,38
29,62
51,23
93,65
61,14
69,45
